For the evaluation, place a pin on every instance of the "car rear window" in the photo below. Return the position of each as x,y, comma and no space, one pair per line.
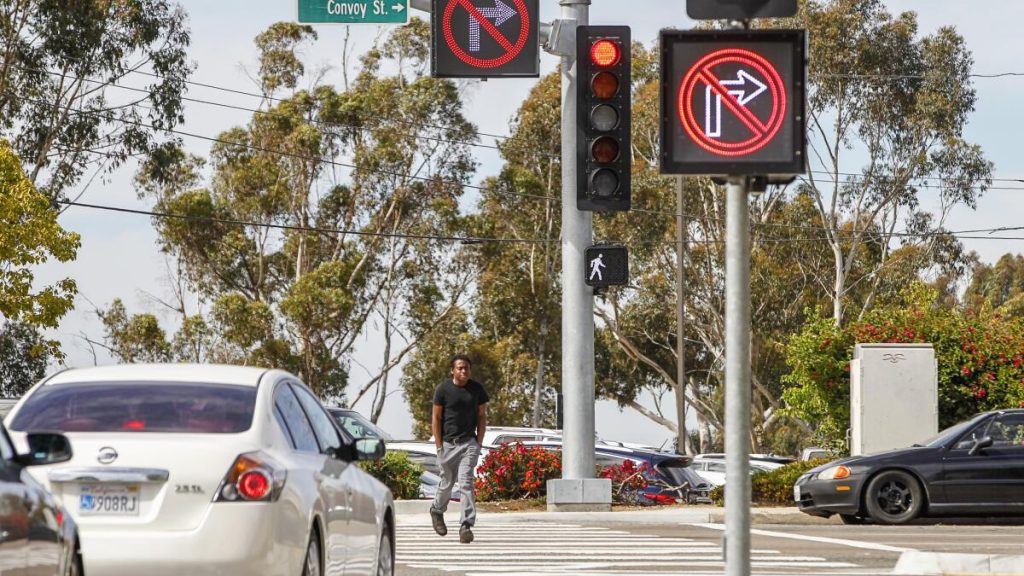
138,407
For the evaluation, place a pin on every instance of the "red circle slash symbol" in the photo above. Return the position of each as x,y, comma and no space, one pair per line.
709,134
511,49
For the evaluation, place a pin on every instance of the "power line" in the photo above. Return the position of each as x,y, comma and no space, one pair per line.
325,123
479,239
293,228
282,152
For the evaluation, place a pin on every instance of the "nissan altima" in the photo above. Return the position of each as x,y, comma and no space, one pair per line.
209,470
975,468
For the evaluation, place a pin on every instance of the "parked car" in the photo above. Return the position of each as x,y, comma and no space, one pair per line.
357,425
5,406
814,453
711,467
672,478
171,458
973,468
424,454
36,536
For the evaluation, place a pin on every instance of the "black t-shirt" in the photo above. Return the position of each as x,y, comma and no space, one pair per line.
460,404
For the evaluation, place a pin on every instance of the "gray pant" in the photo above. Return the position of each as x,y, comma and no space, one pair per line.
458,461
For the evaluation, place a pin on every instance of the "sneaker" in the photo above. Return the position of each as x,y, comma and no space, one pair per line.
465,534
437,518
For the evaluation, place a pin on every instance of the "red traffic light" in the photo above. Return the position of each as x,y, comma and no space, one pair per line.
605,53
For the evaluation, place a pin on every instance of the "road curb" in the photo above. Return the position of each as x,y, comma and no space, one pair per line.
942,564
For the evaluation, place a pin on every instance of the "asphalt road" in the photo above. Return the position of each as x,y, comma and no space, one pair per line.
598,545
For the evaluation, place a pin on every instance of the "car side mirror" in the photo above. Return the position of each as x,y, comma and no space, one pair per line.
369,449
46,448
979,445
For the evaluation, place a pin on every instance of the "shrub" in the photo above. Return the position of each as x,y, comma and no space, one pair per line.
772,487
513,471
398,473
628,481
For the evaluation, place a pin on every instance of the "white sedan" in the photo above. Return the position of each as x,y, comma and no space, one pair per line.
209,470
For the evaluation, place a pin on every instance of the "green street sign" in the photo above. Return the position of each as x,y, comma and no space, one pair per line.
353,11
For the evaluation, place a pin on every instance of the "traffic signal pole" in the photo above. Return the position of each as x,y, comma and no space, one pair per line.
577,490
577,298
737,378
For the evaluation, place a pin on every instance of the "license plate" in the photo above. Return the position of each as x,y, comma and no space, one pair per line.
796,493
109,500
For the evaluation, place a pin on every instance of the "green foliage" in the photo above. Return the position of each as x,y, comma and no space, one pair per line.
30,236
397,472
771,487
979,356
24,356
58,59
515,472
321,258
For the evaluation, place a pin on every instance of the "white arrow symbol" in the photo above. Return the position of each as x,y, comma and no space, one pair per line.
713,102
500,14
398,7
742,77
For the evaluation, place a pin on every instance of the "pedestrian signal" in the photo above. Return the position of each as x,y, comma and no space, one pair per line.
607,265
603,102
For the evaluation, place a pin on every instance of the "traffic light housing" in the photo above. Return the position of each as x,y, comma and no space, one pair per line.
603,114
740,9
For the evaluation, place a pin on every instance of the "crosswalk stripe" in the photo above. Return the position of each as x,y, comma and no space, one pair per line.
539,549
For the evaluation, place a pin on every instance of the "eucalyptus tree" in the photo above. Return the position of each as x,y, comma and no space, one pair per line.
331,212
887,112
60,67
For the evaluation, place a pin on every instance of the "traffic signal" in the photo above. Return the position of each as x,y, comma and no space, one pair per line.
607,265
603,102
739,9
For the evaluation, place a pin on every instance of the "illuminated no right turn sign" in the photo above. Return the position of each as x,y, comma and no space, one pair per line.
733,102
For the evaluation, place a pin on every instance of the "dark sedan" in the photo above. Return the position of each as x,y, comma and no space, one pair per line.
975,468
36,537
671,479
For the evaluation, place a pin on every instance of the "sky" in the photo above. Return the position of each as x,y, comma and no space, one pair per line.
119,257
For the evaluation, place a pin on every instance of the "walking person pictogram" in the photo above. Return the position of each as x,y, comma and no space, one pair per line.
595,267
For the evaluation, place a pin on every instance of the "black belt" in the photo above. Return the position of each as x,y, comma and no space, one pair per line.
461,440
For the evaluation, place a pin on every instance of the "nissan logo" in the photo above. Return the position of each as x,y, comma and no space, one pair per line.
107,455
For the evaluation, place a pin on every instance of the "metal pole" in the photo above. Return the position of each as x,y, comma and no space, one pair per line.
682,444
577,297
737,379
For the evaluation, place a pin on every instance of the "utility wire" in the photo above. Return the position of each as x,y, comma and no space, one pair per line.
293,228
472,239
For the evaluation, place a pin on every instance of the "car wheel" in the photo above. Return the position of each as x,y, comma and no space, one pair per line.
894,497
385,556
852,519
311,567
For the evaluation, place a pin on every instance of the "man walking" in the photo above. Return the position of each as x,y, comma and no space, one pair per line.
458,421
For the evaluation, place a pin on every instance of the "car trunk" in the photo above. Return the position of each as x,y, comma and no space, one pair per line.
162,481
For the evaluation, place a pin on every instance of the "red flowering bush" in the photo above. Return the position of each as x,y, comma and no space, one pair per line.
513,471
628,481
980,358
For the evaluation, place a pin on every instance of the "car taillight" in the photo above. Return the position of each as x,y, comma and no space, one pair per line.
254,477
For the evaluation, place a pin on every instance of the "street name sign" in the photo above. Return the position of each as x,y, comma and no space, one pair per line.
353,11
733,102
485,38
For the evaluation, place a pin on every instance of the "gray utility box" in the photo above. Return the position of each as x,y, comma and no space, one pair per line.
894,398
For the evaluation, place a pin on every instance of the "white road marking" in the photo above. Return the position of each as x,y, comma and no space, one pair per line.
821,539
538,549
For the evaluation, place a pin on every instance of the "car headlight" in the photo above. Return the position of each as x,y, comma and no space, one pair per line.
834,473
